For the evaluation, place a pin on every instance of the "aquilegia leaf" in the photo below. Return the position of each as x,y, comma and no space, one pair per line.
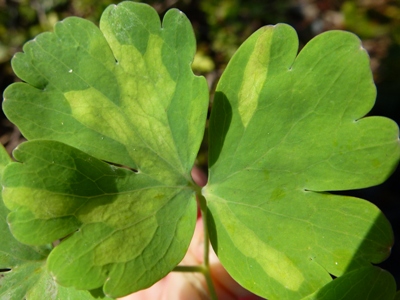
283,131
124,94
123,224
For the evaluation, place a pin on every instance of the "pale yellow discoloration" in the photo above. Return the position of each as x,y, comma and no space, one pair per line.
140,235
146,93
274,262
17,197
95,111
146,90
254,77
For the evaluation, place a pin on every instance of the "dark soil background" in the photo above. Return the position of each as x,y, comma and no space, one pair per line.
220,27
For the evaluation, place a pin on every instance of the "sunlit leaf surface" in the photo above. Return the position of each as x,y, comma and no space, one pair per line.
123,94
285,129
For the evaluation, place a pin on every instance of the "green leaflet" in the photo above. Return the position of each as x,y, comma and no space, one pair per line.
123,94
27,276
369,283
284,130
122,223
30,280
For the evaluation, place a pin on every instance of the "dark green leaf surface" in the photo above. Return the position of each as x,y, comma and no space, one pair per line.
125,94
369,283
30,280
25,275
128,230
284,130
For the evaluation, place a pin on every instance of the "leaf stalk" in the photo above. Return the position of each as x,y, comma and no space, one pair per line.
204,268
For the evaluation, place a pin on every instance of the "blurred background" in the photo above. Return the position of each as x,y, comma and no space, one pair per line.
220,27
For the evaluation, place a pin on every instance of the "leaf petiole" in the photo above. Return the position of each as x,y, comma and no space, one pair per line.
204,268
206,261
189,269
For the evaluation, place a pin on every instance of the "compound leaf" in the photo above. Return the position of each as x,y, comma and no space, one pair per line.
285,130
124,94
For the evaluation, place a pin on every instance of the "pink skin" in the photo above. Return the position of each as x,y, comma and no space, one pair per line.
193,286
